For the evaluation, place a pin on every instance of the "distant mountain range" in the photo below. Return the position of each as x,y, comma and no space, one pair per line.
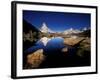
71,31
44,29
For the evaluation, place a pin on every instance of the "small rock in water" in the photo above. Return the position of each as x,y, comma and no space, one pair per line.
65,49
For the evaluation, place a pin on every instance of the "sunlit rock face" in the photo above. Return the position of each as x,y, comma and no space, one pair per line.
72,41
35,59
45,40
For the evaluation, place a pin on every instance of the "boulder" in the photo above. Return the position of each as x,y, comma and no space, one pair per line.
35,59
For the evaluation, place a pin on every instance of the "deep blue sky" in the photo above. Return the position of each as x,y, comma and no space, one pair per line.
58,21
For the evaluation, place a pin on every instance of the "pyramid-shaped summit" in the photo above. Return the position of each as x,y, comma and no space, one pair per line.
44,28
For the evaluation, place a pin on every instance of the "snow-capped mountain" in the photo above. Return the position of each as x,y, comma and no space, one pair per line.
84,29
71,31
44,28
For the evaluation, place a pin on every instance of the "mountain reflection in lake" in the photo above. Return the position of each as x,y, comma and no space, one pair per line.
47,44
55,56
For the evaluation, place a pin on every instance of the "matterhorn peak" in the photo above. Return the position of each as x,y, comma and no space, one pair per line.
44,28
44,25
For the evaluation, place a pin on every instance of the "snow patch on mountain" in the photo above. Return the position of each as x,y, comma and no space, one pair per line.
71,31
44,28
85,28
